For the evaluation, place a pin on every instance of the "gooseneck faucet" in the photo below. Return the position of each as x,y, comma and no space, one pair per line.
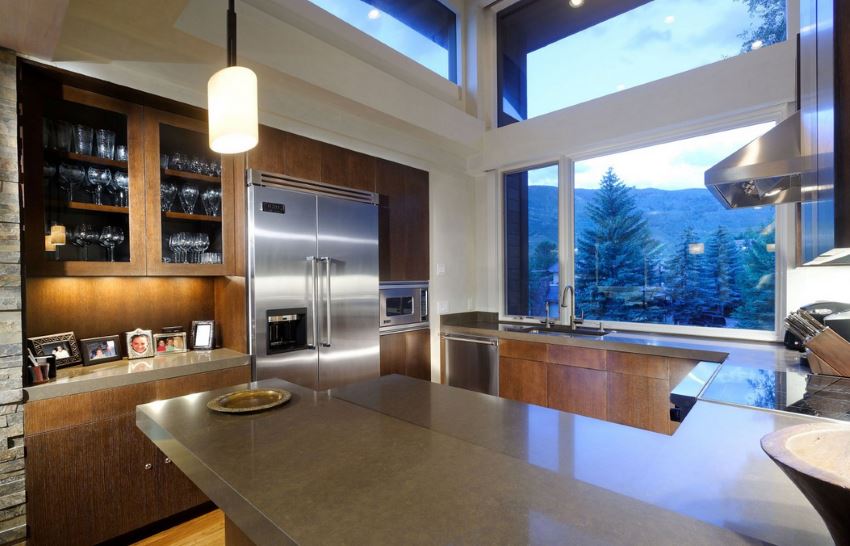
572,305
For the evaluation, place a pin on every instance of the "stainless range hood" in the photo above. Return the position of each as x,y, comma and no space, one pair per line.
767,171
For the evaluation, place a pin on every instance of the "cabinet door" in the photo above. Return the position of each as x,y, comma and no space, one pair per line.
416,199
392,354
82,185
523,380
189,203
638,401
392,221
417,352
578,390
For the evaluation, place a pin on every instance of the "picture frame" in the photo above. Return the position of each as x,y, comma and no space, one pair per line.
63,346
203,335
139,344
170,343
98,350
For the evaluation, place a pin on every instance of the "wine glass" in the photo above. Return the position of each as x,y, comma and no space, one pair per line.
188,197
120,187
178,161
200,242
98,178
49,171
70,178
211,199
167,193
111,237
81,238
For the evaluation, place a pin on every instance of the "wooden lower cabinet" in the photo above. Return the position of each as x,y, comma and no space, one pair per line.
407,353
523,380
95,481
638,401
578,390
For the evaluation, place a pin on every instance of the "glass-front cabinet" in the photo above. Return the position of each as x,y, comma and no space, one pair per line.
190,212
83,169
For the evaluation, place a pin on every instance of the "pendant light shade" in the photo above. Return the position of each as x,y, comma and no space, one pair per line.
232,103
232,100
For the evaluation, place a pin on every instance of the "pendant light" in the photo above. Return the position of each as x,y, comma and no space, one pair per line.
232,100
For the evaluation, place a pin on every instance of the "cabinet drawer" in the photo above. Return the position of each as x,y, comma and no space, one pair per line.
578,390
576,356
523,380
638,364
641,402
522,349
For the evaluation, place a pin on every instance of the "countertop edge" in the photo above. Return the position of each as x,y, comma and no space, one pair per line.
671,352
82,385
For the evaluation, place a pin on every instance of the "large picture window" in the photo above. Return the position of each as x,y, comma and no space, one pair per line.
652,245
425,30
552,55
531,242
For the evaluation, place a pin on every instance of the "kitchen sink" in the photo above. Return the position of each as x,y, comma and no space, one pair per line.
561,330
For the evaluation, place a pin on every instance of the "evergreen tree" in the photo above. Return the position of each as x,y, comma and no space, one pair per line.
721,275
616,258
545,255
685,282
772,27
757,280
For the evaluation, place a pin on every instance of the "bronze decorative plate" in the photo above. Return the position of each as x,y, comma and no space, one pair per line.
249,400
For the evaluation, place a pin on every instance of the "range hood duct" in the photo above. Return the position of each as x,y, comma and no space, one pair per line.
767,171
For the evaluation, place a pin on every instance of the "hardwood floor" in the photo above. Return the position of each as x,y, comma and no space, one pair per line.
206,530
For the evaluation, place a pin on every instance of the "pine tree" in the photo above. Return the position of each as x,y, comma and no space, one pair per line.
616,258
686,284
757,280
772,27
721,275
545,255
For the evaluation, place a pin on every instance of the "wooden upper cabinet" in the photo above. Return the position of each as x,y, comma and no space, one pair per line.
403,221
302,157
73,186
174,145
343,167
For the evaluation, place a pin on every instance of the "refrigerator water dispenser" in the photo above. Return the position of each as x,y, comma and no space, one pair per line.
287,330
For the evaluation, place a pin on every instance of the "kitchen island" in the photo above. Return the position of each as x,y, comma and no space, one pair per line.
399,460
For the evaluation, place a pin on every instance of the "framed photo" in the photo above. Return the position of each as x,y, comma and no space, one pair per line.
172,342
97,350
139,344
63,346
203,335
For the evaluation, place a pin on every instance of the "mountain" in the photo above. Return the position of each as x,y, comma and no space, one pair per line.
668,213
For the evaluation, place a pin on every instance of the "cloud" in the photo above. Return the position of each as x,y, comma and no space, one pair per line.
647,36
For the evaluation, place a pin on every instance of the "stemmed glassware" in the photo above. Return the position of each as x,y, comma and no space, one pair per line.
188,197
200,242
98,178
178,161
211,199
111,237
82,236
70,178
167,193
120,188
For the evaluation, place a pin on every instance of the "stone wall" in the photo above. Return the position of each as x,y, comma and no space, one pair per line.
12,492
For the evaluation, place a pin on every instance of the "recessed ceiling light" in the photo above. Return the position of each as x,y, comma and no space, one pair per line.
757,44
670,19
576,3
374,14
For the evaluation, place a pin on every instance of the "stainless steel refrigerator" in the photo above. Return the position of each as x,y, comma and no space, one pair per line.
312,281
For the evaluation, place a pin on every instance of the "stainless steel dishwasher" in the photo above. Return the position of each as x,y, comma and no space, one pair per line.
472,363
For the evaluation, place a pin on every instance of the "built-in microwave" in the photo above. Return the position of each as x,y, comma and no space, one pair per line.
404,304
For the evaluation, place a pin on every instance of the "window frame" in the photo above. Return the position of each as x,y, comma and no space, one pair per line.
785,226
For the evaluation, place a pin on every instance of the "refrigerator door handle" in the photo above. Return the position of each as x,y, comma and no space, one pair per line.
311,343
327,261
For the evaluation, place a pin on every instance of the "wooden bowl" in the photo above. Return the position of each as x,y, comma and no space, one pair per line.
817,459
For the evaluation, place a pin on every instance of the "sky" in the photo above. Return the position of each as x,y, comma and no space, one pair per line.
391,32
653,41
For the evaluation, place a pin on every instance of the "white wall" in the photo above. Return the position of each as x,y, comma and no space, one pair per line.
810,284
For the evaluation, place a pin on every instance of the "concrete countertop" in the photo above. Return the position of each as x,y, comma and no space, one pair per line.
129,372
739,353
402,460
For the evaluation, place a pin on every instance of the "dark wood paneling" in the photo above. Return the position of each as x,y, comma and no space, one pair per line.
576,356
392,354
187,384
417,351
416,188
303,157
526,350
361,169
334,165
578,390
637,401
231,313
523,380
637,364
391,220
92,307
269,153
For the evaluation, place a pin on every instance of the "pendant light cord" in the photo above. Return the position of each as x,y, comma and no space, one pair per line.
231,33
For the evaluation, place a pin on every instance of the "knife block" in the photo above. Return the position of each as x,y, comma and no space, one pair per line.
829,354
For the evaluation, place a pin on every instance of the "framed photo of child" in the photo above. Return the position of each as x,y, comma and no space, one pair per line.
170,343
139,344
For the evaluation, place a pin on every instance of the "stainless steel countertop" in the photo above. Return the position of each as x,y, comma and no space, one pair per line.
129,372
401,460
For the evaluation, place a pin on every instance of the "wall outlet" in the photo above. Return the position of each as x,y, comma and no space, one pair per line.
443,307
441,269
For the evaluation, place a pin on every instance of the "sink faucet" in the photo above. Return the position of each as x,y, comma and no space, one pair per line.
548,321
572,305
